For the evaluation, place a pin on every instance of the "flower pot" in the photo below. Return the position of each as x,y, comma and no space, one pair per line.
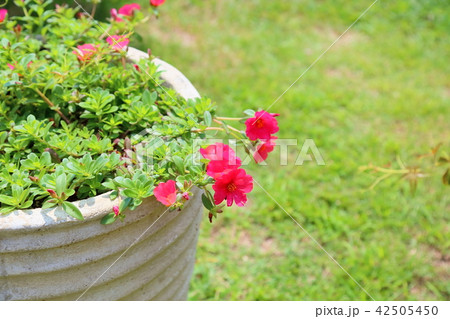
47,255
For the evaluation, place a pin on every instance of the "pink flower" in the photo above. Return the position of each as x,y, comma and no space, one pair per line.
3,14
218,152
85,52
116,210
156,3
128,9
264,149
12,67
262,126
166,193
115,15
221,156
118,42
232,186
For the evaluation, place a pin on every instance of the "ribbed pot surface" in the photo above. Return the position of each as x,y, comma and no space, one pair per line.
150,256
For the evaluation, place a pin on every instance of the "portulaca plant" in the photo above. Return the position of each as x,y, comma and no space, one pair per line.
71,104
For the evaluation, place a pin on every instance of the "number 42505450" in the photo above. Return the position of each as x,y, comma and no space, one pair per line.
407,310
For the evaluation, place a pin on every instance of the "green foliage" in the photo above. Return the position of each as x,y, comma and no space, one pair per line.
67,125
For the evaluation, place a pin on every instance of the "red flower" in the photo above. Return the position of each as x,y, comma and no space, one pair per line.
264,149
85,52
231,186
118,42
116,210
137,67
156,3
166,193
221,156
262,126
128,9
4,13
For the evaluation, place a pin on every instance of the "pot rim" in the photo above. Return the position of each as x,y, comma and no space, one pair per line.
98,206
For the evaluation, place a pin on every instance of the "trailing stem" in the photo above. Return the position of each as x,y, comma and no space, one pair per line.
52,106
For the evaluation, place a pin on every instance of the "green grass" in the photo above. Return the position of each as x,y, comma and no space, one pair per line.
381,91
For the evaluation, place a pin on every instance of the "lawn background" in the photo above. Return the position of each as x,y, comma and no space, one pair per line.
381,91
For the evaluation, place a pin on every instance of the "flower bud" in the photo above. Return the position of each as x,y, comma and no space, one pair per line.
52,193
17,29
33,178
186,196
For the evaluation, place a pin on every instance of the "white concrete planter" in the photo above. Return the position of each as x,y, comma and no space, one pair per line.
47,255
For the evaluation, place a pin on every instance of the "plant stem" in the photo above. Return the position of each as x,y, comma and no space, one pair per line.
94,8
52,106
125,134
105,33
229,118
228,126
210,129
391,171
378,180
25,11
239,139
233,129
